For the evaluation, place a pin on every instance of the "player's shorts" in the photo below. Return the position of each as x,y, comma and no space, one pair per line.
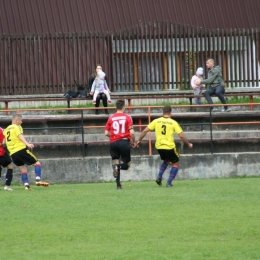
5,160
169,155
121,150
23,157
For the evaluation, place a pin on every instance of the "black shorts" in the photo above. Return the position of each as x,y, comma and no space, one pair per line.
121,150
169,155
23,157
5,160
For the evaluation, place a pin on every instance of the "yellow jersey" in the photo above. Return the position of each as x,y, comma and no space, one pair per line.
13,143
164,128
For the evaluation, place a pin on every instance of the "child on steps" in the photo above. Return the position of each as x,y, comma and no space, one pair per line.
197,90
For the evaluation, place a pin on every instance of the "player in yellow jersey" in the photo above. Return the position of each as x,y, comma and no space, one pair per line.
5,161
164,128
21,155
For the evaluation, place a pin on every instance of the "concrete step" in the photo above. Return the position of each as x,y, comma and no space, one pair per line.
54,146
72,123
101,137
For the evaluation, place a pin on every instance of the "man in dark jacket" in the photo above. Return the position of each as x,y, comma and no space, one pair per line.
216,82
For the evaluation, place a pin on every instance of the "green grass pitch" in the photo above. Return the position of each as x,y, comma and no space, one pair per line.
196,219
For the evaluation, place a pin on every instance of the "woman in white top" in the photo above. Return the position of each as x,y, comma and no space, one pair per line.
100,86
101,96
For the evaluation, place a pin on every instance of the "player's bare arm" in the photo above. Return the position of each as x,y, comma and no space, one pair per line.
107,133
185,140
132,134
142,135
22,138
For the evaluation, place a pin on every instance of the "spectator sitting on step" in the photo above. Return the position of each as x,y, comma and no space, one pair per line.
100,95
216,82
100,85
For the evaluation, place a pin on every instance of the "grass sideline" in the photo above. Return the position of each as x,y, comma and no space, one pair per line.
195,220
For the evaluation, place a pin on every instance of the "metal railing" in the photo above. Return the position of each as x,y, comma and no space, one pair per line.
82,118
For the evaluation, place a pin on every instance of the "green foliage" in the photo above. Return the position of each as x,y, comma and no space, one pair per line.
194,220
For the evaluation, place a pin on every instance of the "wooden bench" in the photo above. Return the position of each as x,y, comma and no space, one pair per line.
37,99
129,98
190,97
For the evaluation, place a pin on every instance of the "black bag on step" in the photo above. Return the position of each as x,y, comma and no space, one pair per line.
82,93
70,94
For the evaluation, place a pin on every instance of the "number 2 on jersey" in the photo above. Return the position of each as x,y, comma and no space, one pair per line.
8,136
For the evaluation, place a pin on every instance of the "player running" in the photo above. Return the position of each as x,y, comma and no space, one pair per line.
21,155
119,128
164,128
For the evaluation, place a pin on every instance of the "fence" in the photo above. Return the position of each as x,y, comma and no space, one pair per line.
150,57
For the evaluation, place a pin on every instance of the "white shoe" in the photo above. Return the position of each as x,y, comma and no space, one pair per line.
8,188
214,109
226,110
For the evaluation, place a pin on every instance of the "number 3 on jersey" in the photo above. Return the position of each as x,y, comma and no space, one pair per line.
117,125
164,130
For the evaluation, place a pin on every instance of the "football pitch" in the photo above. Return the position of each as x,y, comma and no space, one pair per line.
196,219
